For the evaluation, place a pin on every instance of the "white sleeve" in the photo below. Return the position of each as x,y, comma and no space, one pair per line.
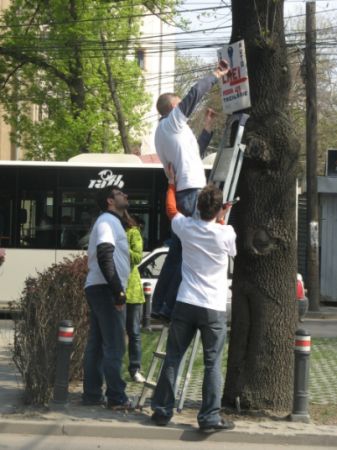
175,120
178,224
105,233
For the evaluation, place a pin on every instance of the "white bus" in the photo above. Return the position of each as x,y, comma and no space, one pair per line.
47,209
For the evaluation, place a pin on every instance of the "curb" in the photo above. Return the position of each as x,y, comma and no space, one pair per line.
116,429
320,315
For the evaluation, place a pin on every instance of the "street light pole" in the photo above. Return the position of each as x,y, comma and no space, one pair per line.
312,281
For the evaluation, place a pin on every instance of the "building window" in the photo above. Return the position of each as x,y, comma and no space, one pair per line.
140,55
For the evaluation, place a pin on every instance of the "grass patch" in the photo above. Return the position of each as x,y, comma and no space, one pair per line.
323,414
149,344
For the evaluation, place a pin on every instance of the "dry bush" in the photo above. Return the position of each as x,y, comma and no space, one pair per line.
54,295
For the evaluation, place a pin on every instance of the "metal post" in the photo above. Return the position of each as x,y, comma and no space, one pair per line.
301,377
312,275
64,349
147,287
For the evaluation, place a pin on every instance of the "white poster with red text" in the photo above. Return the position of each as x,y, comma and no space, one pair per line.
235,85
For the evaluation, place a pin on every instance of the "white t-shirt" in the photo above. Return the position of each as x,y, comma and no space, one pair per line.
175,143
206,247
108,229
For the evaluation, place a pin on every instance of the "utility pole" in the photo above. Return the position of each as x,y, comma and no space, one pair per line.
312,281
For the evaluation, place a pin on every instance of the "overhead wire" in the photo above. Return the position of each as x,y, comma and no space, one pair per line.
184,45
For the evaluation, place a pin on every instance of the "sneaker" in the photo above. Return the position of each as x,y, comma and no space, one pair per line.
138,377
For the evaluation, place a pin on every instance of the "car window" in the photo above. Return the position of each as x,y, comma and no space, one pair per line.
152,267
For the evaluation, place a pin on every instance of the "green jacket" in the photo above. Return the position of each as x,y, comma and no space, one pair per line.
134,290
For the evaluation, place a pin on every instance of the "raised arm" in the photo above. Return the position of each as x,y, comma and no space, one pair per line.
195,94
207,132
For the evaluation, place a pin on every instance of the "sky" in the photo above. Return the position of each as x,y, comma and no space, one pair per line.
217,23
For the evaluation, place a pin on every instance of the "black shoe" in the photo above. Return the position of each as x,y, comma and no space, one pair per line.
222,425
164,319
155,315
88,402
159,420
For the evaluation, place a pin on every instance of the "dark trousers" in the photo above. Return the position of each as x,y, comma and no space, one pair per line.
165,293
186,320
133,325
105,347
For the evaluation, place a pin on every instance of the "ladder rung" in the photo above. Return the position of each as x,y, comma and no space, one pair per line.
150,384
160,355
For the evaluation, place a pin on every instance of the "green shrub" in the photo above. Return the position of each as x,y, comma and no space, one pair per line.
54,295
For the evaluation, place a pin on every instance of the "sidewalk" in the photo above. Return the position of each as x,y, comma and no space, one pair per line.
325,312
77,420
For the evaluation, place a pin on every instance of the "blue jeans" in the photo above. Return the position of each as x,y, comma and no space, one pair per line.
133,320
186,319
166,290
105,347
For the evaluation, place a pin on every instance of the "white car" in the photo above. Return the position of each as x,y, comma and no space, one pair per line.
150,268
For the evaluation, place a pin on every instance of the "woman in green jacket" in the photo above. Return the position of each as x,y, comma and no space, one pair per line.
134,300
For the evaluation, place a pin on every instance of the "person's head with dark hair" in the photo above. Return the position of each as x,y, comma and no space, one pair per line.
210,202
128,220
139,221
166,102
112,199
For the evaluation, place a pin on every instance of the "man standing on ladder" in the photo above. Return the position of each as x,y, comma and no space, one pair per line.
176,144
201,304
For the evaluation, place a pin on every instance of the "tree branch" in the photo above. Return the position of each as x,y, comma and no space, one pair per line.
22,58
113,91
9,76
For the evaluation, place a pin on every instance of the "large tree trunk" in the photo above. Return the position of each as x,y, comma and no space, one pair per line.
264,315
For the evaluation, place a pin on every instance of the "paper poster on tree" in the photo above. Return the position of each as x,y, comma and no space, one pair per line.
235,85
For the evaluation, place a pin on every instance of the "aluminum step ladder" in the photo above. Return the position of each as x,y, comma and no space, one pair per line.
224,174
184,372
228,161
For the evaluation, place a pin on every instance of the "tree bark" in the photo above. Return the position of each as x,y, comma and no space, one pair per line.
114,95
264,314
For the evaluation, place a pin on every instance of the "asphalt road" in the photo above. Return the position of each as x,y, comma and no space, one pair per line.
32,442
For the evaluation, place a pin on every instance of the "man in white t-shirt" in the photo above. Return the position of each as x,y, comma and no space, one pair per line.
109,268
201,304
176,144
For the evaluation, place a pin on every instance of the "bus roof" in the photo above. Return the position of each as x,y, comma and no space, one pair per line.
100,159
91,161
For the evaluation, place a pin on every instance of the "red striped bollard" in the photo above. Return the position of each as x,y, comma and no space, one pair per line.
301,377
147,287
64,349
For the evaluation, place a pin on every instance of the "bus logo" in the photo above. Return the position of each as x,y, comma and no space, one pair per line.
107,178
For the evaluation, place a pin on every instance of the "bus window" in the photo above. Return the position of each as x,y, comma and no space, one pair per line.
6,225
78,211
38,229
7,207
